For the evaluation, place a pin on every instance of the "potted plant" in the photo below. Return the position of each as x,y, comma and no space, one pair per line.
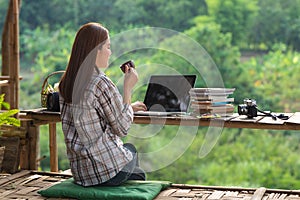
9,147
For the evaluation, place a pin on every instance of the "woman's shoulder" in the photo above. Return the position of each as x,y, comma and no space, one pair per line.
103,79
102,82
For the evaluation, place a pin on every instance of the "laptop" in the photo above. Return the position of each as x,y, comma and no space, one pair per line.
168,95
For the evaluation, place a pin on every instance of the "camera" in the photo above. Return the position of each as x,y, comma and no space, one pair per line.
53,102
249,108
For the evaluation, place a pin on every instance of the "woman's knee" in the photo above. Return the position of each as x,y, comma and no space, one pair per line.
130,147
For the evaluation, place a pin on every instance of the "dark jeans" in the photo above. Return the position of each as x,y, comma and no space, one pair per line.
131,171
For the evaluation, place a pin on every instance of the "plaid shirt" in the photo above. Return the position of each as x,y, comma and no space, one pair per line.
92,134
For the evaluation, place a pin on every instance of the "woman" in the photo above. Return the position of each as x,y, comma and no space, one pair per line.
95,115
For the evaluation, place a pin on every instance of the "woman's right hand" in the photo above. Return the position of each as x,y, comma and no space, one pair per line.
130,79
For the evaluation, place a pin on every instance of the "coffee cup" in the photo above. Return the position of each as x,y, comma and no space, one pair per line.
129,63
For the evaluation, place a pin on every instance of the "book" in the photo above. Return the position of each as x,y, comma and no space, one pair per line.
212,101
212,90
209,107
224,110
206,92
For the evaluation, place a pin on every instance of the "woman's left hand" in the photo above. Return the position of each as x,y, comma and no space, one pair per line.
138,106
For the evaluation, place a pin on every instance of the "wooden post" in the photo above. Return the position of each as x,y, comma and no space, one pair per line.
10,53
24,154
5,49
29,158
15,59
53,148
34,146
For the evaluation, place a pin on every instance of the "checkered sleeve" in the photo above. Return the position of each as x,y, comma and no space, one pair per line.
118,115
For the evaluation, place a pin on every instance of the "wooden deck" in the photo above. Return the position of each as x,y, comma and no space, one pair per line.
197,192
25,184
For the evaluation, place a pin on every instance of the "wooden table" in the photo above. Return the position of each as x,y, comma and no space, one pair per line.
39,117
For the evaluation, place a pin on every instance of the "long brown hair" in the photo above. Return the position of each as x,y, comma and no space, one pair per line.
88,37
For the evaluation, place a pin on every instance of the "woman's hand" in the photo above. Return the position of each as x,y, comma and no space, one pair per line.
138,106
130,79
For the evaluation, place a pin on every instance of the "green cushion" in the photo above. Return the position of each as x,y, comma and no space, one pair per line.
137,190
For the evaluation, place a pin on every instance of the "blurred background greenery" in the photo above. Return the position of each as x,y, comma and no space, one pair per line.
255,45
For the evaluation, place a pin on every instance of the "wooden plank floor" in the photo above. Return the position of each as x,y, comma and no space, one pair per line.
197,192
25,184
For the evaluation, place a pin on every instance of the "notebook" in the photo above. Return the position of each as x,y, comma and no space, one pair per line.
168,94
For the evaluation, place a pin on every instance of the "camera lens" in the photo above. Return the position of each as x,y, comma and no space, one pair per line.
242,109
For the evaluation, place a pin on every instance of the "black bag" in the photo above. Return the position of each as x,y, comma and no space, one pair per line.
53,102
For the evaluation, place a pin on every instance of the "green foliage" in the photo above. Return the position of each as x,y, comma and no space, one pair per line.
42,52
116,14
49,50
274,77
7,116
258,24
226,57
3,10
235,17
63,162
285,14
247,158
218,45
257,157
251,23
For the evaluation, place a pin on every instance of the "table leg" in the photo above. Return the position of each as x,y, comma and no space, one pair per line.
24,155
30,155
53,148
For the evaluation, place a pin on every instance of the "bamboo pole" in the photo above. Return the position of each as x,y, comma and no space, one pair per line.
15,67
11,41
5,49
10,54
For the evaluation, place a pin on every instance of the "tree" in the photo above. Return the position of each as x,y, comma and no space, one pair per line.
115,14
218,45
278,23
235,17
274,77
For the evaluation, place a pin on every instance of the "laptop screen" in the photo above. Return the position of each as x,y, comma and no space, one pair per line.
169,93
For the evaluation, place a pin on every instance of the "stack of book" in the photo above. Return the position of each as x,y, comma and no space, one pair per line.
211,101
